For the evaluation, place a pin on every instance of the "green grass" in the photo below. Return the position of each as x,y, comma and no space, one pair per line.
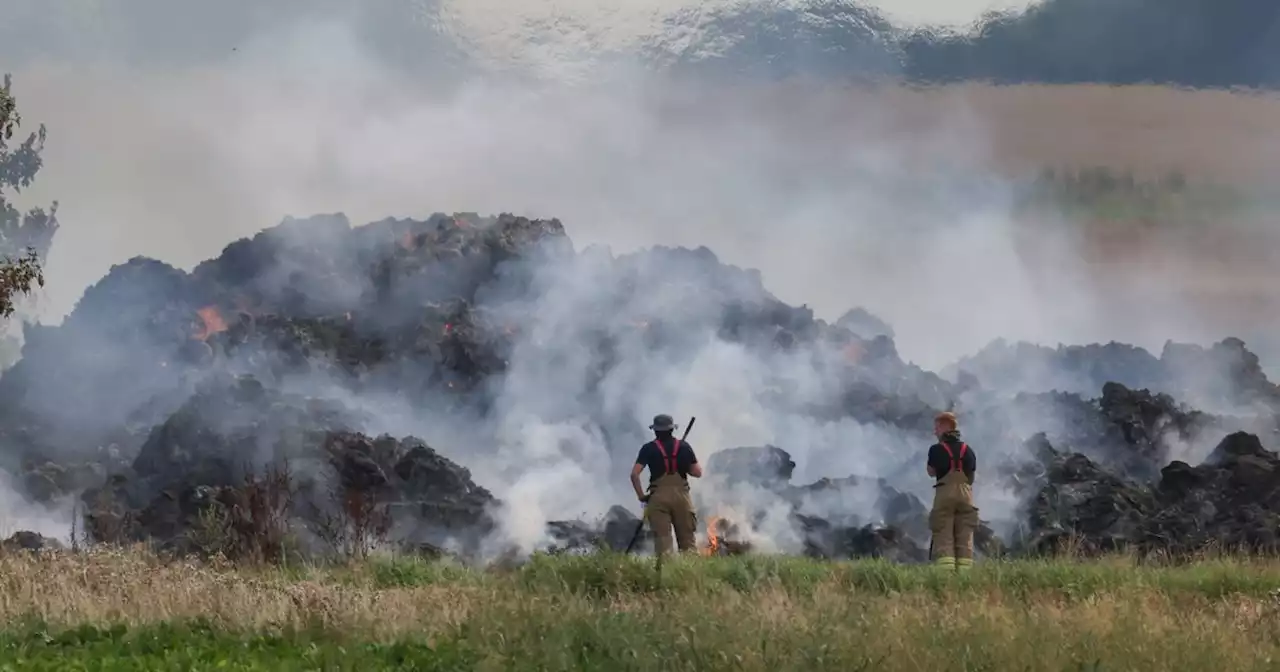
198,646
125,611
605,575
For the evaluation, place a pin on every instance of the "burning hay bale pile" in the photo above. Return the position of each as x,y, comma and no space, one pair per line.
245,405
1230,503
242,469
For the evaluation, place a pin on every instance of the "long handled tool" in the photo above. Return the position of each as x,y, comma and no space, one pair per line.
644,516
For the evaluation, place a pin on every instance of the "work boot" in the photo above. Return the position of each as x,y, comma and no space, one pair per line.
964,564
945,562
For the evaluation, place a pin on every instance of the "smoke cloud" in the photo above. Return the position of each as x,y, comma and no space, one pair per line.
817,187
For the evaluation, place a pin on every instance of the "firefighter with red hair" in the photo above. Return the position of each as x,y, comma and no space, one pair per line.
954,517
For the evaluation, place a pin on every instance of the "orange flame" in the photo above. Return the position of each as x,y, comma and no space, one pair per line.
407,241
713,537
211,322
853,353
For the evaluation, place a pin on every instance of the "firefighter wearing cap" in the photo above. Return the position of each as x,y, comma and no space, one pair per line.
954,517
671,462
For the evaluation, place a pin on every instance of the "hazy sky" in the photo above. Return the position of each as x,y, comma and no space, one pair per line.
537,32
560,32
631,12
944,11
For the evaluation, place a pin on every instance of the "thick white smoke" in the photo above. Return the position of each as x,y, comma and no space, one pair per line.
813,186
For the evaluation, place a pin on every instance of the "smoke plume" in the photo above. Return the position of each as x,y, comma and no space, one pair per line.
816,186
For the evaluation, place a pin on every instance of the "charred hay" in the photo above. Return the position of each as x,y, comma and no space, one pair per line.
1228,503
163,402
235,437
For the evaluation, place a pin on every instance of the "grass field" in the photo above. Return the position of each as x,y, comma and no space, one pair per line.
126,610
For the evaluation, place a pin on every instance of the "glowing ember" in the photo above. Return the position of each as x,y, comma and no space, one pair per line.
211,323
448,329
713,537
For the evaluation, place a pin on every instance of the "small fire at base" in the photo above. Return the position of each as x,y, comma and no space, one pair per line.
713,537
720,540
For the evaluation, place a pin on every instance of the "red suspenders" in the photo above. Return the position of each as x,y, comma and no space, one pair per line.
957,462
668,459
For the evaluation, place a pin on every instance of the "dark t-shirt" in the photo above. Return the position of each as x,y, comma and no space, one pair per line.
651,457
941,462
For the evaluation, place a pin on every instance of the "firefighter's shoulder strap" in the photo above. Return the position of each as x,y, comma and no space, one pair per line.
957,460
668,459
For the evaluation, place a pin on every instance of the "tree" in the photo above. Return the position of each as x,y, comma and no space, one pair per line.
24,237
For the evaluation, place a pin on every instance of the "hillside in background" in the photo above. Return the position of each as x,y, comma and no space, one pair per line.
1199,43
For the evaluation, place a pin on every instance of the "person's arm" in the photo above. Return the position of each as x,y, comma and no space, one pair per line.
635,481
635,475
928,463
970,465
694,469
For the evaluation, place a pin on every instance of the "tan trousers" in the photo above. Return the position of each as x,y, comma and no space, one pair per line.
671,506
953,520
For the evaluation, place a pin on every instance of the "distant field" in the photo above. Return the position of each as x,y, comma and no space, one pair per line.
1175,193
1152,177
1225,137
129,611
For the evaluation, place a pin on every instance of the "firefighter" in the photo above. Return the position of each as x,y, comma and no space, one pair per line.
668,504
954,517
